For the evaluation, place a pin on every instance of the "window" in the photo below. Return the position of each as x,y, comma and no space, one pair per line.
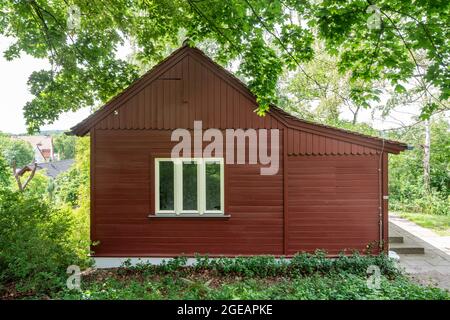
189,186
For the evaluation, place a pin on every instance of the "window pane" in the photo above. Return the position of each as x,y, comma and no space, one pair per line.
166,187
213,186
189,186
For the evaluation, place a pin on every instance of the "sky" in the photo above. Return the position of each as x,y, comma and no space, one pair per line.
14,95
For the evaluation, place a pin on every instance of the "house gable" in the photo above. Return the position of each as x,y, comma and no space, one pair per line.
189,86
188,91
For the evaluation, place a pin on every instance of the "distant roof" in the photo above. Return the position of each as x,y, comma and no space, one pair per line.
44,142
52,169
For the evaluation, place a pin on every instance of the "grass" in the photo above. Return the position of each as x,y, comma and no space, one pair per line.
306,276
438,223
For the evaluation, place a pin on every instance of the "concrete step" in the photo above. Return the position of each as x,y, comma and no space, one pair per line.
395,239
407,249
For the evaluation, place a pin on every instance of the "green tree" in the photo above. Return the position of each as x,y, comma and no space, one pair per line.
5,174
319,92
72,186
406,181
373,40
64,146
16,150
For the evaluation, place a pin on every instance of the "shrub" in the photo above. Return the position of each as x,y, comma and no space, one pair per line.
269,266
37,243
67,186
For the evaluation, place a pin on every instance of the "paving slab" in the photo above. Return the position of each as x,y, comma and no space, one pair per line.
430,268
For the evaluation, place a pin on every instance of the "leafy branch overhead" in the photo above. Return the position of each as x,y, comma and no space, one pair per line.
372,40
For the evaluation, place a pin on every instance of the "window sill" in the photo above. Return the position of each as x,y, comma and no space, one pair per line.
215,216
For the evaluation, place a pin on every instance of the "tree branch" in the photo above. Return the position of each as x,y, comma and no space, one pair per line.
30,177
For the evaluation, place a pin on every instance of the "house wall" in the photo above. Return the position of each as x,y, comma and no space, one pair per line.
123,191
328,198
333,203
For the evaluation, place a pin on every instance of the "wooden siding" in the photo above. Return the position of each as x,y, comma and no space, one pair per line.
188,91
305,143
333,203
328,199
124,197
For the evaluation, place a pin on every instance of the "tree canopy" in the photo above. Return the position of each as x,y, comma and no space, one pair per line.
64,146
372,40
15,150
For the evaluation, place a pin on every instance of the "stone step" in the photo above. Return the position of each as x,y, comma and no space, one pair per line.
407,249
395,239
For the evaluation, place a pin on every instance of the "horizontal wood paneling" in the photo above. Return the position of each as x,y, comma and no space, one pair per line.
125,197
332,202
332,192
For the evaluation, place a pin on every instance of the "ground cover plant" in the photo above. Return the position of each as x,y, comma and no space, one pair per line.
306,276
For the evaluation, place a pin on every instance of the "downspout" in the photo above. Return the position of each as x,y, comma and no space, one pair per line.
381,197
285,191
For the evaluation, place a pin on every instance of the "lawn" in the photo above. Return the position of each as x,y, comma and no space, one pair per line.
304,277
438,223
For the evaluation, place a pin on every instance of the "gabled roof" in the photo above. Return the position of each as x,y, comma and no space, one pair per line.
287,119
52,169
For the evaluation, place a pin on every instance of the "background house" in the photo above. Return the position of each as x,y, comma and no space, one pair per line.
42,146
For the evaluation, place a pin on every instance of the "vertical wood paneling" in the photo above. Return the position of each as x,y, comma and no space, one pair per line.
186,92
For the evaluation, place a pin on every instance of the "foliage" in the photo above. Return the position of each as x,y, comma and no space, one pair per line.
64,146
67,186
372,43
241,278
38,186
5,174
75,182
37,243
406,186
40,238
16,150
331,287
318,91
269,266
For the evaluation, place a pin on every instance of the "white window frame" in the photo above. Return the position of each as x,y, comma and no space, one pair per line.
157,162
201,187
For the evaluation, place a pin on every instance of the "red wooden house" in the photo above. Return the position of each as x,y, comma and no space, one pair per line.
330,191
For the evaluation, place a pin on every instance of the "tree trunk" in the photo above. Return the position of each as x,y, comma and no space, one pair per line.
426,155
355,115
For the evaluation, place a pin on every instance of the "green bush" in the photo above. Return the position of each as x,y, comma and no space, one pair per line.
269,266
432,203
5,174
68,186
37,243
193,287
